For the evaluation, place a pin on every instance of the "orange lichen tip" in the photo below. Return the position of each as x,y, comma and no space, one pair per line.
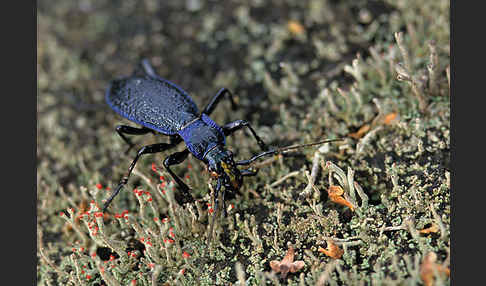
390,118
295,27
332,250
335,195
361,132
431,229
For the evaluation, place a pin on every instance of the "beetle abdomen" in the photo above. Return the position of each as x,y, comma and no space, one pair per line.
153,103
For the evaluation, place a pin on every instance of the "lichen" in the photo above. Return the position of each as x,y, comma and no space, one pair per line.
375,73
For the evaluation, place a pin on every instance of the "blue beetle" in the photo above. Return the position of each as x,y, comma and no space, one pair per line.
161,106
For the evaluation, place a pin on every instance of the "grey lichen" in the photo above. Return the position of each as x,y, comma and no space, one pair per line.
301,71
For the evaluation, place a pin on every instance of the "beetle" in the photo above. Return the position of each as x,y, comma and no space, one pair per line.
161,106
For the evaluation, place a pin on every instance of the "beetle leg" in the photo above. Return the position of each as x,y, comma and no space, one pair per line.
215,100
231,127
154,148
145,68
216,199
125,129
148,69
225,212
174,159
175,139
216,210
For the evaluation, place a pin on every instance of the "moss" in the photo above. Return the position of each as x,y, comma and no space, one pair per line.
300,71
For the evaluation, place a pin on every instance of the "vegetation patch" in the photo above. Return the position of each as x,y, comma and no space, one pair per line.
372,209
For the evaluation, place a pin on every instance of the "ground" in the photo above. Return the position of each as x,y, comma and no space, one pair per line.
371,209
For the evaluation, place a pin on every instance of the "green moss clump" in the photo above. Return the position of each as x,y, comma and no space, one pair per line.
375,73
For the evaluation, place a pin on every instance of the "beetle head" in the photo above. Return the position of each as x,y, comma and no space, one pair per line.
222,166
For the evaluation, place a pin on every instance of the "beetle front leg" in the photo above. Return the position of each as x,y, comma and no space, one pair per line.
231,127
175,159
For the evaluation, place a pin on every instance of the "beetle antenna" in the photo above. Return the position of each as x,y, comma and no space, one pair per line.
284,150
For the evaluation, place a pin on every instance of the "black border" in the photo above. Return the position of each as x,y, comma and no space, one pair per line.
19,128
20,57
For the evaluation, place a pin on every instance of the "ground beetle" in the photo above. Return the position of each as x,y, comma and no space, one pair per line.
160,106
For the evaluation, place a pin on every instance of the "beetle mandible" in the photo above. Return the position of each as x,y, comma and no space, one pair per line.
161,106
